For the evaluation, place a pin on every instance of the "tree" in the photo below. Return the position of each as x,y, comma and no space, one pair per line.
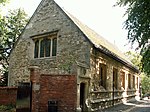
145,82
3,1
11,27
138,26
136,60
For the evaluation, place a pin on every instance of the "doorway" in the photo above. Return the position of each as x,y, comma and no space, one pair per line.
24,97
82,97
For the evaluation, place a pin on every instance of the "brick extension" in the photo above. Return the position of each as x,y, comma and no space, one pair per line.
53,87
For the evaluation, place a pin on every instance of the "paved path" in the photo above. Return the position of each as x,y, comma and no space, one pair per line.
132,106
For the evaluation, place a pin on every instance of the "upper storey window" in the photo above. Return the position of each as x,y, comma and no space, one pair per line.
45,45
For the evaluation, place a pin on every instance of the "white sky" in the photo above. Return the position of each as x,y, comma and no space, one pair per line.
100,15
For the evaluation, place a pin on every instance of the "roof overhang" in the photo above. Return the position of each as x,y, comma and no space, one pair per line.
115,57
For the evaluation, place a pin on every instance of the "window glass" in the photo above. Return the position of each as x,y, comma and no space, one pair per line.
129,81
133,81
103,75
42,48
115,78
48,47
45,45
36,49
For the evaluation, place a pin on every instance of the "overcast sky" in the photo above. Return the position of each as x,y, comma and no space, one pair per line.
100,15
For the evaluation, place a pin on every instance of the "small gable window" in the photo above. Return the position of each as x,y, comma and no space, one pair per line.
45,45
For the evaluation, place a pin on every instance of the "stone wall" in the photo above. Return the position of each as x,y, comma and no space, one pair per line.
106,97
72,46
8,96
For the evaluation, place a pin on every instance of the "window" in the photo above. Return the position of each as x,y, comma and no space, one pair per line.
45,46
133,81
123,80
137,82
36,49
115,78
129,81
102,73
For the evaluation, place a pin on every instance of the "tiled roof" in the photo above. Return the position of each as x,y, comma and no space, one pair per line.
100,42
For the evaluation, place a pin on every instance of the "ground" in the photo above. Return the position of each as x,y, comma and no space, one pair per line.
132,106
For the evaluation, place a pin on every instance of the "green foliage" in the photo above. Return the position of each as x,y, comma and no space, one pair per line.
7,108
145,84
138,26
11,27
4,78
146,61
125,2
136,60
3,2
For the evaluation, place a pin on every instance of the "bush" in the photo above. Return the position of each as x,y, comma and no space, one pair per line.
8,108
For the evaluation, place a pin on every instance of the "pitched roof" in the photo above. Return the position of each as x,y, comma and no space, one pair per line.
101,43
98,41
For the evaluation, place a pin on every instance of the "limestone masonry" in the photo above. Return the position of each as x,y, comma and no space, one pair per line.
60,45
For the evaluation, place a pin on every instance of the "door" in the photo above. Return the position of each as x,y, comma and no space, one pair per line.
82,97
24,97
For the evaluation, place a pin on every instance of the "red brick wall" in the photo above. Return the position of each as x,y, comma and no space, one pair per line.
8,95
62,88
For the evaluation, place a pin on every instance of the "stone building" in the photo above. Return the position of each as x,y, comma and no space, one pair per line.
65,56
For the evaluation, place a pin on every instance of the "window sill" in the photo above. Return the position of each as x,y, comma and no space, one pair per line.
84,76
43,58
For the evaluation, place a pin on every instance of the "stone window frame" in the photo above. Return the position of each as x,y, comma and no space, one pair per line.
103,75
49,36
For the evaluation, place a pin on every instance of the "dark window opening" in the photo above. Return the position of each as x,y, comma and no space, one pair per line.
42,48
103,75
133,81
129,81
36,50
47,47
115,78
